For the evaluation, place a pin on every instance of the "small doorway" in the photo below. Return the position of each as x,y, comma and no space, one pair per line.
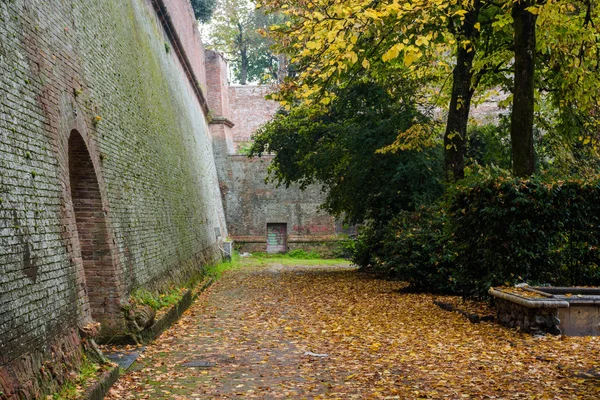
276,238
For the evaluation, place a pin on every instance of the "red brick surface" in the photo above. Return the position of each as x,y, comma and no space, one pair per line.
249,110
186,27
132,200
250,204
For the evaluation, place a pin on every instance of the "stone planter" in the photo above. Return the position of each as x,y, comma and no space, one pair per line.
555,310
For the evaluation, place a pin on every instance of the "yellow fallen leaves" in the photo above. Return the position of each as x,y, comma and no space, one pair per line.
378,342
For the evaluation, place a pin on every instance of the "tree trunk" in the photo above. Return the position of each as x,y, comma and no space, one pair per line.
282,67
458,116
460,102
521,126
244,66
242,47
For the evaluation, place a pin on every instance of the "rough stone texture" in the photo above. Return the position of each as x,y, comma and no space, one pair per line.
580,318
107,175
185,27
537,321
250,204
218,92
30,376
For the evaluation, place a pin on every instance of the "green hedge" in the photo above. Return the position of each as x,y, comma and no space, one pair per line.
493,231
413,247
507,230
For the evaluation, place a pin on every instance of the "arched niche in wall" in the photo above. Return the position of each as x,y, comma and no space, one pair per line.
99,269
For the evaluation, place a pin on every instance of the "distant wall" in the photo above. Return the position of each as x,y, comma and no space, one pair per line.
249,110
250,204
111,71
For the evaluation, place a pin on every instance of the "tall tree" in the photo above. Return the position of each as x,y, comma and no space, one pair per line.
333,43
336,146
237,31
521,131
568,73
462,93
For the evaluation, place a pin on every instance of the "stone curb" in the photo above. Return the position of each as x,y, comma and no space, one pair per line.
528,302
166,320
173,314
99,390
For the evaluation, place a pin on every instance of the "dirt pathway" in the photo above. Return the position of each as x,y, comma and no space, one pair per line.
259,325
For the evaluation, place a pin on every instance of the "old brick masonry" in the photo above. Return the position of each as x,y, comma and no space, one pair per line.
110,178
251,205
107,175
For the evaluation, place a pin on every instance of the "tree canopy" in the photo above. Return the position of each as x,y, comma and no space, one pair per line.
336,146
455,49
203,9
235,31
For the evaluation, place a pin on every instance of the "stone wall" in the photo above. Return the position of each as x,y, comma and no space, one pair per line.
107,175
250,203
537,321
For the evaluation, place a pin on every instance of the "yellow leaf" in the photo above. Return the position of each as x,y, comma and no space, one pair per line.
391,54
410,57
366,64
353,57
422,40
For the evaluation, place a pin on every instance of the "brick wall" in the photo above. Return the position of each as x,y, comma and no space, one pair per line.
101,277
107,176
249,110
185,27
250,204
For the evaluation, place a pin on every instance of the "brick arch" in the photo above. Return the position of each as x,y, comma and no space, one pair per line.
101,281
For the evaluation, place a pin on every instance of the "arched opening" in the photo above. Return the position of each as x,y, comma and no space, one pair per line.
98,267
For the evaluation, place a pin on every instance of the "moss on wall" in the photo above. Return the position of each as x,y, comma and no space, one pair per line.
100,67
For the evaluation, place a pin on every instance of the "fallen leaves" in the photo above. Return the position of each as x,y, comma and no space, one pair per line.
257,324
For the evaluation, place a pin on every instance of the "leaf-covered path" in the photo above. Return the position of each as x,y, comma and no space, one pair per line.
258,323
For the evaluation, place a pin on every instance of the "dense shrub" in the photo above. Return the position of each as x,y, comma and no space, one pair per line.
494,231
344,248
506,230
336,148
368,248
414,246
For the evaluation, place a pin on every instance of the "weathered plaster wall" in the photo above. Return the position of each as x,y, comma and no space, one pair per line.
110,71
250,204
